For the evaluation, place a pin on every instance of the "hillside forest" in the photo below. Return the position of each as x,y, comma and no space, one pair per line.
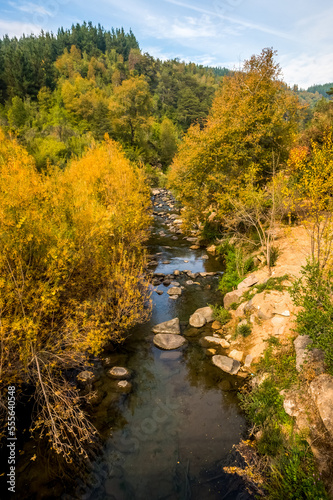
88,124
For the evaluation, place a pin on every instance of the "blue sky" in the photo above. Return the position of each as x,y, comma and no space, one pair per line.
215,32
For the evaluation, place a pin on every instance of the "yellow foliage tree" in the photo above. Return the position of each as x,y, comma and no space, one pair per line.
71,275
310,193
253,116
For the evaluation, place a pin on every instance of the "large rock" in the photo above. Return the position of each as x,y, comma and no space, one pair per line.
201,316
302,353
232,297
197,320
175,290
172,326
249,281
226,364
214,342
119,372
168,341
321,389
207,313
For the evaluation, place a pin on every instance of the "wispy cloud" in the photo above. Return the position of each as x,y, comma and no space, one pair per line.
235,20
31,8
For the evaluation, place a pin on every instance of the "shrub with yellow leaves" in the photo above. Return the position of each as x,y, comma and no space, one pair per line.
71,275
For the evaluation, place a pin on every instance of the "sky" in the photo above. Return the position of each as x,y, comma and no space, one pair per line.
213,33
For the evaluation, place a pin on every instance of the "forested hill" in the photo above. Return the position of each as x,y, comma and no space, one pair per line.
60,92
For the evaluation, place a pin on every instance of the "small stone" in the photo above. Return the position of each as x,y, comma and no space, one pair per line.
248,361
166,262
159,292
176,272
236,355
249,281
194,247
214,342
204,257
85,378
124,386
189,282
216,325
212,249
211,352
175,283
231,297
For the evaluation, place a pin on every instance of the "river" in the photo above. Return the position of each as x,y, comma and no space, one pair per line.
169,437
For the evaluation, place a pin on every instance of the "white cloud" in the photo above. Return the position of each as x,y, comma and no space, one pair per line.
307,69
17,28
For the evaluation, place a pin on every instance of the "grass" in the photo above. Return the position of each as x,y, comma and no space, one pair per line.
270,284
221,314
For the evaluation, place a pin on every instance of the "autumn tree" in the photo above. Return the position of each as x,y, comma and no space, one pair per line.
309,194
253,116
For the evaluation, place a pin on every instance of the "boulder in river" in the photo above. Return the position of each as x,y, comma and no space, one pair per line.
169,341
85,379
175,290
226,364
207,313
171,326
119,372
123,386
197,320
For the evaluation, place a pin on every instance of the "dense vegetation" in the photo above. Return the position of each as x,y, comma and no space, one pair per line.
87,122
71,275
59,93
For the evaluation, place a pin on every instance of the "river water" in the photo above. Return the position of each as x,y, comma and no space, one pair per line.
169,437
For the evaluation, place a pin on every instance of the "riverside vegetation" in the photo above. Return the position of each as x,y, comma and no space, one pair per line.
246,156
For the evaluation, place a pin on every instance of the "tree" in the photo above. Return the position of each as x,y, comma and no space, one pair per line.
253,114
131,107
311,188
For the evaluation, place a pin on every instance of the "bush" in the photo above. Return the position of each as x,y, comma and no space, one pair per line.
238,264
244,330
221,314
71,276
313,292
274,254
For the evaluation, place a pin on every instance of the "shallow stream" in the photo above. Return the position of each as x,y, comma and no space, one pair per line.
169,437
